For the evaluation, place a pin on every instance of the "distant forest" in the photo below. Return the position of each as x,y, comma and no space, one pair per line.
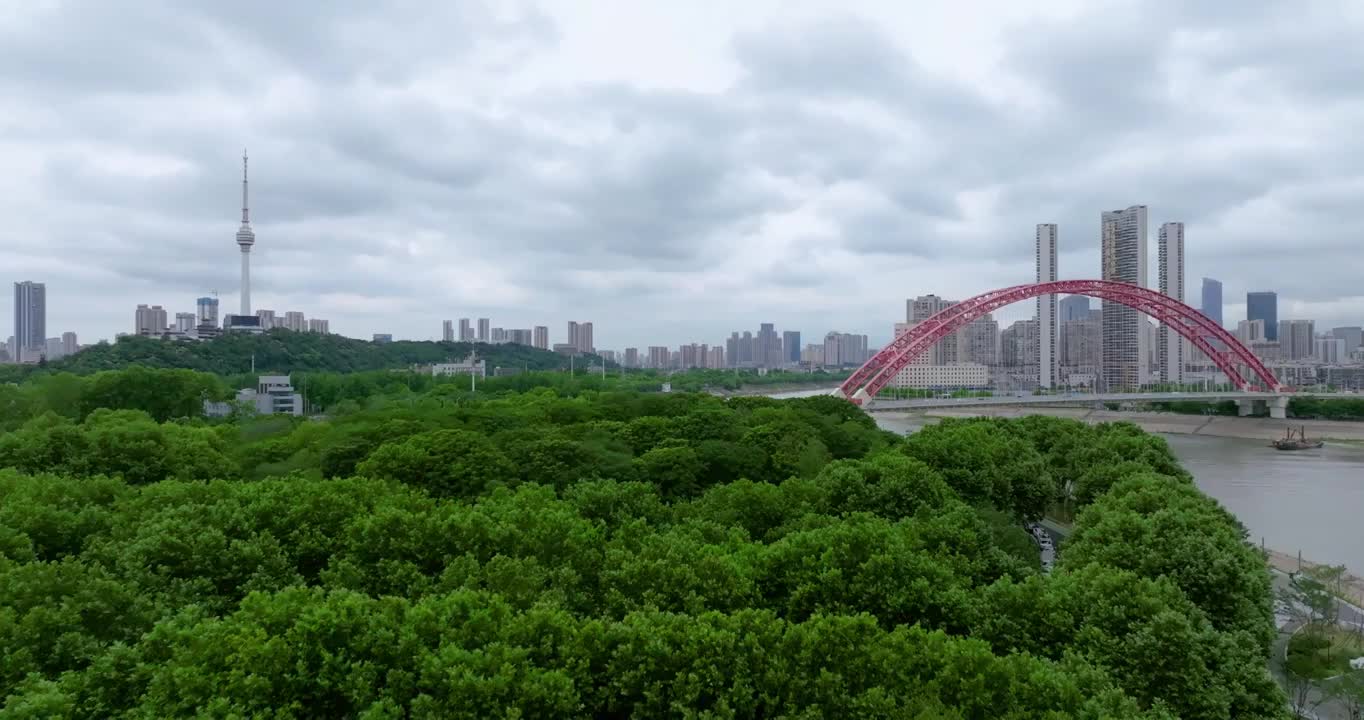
287,351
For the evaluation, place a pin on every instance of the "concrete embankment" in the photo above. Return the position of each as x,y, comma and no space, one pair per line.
781,390
1210,425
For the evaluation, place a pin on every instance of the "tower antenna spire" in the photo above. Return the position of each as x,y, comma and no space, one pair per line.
246,214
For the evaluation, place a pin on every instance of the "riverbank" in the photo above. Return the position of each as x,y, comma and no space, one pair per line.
783,390
1352,586
1244,428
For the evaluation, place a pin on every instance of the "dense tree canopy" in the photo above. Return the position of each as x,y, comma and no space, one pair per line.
576,551
286,351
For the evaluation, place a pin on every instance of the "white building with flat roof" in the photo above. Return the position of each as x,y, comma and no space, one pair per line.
273,395
470,365
951,375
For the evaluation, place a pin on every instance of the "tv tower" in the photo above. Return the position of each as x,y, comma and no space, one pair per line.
245,239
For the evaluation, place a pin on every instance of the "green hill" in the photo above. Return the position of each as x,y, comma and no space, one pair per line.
286,351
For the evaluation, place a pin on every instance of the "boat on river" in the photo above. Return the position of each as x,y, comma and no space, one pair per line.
1298,441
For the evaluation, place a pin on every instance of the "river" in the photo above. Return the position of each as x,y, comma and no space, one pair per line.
1310,501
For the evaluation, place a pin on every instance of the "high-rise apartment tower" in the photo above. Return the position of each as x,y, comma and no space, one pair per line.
1169,343
1125,345
1045,251
30,320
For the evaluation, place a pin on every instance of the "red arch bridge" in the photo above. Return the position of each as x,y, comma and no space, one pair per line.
1232,357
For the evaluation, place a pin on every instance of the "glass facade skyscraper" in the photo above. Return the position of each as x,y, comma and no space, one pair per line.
1212,299
1264,306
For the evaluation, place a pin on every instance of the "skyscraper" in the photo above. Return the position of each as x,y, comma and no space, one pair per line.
318,325
1297,338
1264,306
207,326
267,319
1018,344
483,330
1073,307
585,338
1250,331
246,238
30,320
466,331
572,334
844,349
766,346
978,342
1125,351
447,330
1353,336
631,357
294,320
1082,343
1169,343
69,344
1045,252
150,321
920,309
541,339
790,346
208,311
1331,350
1212,300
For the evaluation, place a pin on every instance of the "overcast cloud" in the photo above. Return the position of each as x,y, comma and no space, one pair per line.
670,171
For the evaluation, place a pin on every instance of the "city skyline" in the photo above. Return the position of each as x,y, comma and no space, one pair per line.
675,216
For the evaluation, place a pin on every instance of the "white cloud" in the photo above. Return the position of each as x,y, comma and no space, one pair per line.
669,170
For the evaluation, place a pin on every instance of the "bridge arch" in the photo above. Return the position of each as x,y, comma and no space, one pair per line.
1197,328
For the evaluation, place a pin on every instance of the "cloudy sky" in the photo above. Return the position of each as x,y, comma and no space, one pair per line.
668,170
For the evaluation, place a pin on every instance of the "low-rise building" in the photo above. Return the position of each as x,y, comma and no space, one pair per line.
1294,374
470,365
951,375
242,324
1343,377
273,395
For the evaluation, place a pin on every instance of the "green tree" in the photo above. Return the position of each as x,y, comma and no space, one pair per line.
1157,526
791,449
675,470
446,463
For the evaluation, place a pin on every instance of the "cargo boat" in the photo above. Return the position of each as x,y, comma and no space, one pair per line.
1298,441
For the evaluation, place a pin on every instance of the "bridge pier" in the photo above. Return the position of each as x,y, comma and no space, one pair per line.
1278,407
861,398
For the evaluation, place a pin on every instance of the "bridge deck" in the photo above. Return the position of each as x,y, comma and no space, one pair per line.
1080,399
